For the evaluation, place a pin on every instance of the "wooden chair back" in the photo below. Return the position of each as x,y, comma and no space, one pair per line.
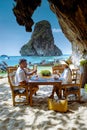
58,69
11,70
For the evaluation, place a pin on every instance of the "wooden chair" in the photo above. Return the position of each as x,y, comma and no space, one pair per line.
17,91
58,69
73,88
21,90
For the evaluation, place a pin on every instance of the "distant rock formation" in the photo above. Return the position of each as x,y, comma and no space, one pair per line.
42,42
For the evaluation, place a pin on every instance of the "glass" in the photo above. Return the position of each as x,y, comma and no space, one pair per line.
35,67
56,77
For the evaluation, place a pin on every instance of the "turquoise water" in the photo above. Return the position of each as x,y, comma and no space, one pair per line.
13,60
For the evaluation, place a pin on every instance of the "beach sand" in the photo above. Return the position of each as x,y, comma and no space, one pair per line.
39,117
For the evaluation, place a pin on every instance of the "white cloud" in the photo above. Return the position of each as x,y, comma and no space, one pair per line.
55,30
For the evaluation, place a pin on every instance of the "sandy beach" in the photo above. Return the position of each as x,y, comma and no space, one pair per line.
39,117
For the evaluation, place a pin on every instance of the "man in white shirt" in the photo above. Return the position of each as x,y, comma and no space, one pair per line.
65,77
21,73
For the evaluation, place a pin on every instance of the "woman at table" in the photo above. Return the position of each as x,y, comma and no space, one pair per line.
65,77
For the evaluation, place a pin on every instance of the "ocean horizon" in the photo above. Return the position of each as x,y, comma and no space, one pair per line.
14,60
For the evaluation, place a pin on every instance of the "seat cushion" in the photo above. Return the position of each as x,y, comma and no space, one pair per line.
19,91
74,88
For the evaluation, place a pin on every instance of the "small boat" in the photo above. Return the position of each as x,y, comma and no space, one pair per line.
3,66
5,56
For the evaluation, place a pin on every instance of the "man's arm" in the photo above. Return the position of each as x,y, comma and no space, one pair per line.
31,72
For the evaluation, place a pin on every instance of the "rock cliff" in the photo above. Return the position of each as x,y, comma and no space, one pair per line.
72,16
42,42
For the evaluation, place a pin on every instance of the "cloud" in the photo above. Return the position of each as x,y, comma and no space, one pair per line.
55,30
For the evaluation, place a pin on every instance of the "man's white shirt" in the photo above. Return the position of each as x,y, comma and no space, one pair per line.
20,76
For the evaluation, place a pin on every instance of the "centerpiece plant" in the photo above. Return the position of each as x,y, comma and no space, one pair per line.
45,73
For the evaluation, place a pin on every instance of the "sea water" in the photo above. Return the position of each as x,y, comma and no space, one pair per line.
14,60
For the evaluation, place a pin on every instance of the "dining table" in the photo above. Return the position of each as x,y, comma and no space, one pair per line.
45,80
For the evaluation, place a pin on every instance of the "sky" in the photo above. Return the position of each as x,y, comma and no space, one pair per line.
13,36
